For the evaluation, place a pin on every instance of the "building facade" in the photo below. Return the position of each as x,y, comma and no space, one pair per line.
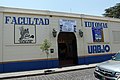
76,39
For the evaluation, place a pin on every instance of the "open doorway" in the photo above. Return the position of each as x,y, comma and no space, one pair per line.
67,49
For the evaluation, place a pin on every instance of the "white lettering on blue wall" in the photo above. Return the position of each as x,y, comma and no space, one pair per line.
98,49
26,20
95,24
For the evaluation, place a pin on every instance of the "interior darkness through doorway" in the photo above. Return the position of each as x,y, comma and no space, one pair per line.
67,49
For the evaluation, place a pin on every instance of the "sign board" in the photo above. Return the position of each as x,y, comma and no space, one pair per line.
97,30
98,48
67,25
24,34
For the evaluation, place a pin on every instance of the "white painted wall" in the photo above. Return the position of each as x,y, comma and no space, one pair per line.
15,52
1,36
114,27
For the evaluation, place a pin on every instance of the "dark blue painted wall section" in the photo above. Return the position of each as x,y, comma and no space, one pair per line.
1,68
44,64
33,65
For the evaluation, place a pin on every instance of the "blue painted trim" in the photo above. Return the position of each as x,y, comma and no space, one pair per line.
94,59
34,65
1,68
44,64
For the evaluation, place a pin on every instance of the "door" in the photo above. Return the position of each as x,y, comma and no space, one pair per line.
67,49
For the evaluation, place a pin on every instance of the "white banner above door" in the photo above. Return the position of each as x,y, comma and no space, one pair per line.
67,25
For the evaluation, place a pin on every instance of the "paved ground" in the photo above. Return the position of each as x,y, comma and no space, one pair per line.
86,74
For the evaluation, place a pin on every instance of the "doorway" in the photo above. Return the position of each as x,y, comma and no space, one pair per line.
67,49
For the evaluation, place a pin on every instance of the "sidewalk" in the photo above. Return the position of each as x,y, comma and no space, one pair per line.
44,71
